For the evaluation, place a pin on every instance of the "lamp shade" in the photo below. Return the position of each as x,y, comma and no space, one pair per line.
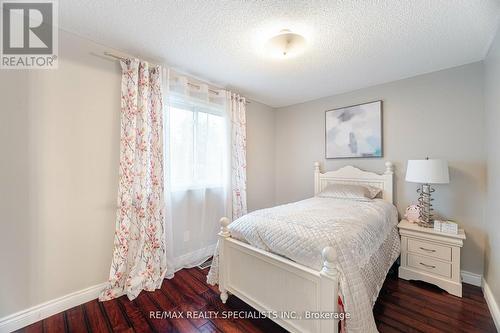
427,172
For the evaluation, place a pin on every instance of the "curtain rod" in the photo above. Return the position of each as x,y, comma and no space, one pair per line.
109,54
114,56
199,87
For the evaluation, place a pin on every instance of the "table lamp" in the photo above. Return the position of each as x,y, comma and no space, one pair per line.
427,172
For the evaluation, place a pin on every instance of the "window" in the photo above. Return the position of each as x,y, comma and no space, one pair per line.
197,145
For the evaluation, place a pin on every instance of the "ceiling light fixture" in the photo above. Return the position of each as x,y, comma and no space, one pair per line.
286,44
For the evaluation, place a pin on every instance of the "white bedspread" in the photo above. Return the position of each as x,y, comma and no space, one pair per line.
364,234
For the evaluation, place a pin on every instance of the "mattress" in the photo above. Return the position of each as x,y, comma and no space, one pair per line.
364,234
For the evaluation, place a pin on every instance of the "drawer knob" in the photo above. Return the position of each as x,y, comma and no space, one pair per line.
428,250
428,266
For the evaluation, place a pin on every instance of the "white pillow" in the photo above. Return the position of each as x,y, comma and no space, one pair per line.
349,191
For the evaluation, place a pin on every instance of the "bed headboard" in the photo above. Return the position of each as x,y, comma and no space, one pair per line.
353,175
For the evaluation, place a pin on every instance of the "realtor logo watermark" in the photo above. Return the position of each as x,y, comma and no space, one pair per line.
29,34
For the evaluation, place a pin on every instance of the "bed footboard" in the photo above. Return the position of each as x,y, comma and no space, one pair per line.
294,296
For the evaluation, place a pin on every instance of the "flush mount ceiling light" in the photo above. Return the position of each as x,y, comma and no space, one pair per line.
286,44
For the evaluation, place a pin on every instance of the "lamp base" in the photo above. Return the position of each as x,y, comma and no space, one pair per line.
424,202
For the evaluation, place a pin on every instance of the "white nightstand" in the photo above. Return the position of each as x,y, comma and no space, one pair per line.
431,256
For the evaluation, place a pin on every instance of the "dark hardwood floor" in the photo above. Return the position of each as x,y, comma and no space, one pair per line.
402,307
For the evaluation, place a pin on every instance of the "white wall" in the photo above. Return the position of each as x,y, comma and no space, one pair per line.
492,107
439,115
260,156
59,138
59,142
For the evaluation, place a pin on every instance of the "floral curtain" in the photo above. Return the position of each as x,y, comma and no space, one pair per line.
237,113
139,255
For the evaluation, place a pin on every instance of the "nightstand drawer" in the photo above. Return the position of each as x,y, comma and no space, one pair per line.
429,265
429,249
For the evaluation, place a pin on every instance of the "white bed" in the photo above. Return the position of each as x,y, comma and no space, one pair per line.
293,259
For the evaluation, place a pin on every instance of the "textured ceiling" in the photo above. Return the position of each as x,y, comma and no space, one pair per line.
351,44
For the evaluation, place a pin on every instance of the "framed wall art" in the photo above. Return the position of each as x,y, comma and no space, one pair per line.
354,131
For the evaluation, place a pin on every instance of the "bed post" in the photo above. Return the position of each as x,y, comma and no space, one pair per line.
223,234
389,174
329,290
317,173
389,168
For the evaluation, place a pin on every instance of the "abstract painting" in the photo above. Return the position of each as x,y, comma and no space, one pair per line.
354,131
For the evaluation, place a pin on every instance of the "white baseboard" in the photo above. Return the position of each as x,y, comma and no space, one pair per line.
41,311
472,278
492,304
